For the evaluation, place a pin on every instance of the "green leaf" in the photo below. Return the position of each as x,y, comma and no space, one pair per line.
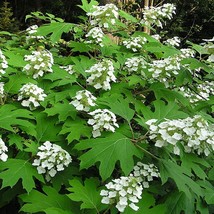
50,199
194,64
127,16
56,29
11,116
211,174
76,129
82,63
63,110
17,140
15,59
147,206
46,128
87,6
177,202
181,177
15,169
16,81
193,162
115,147
62,178
86,193
79,47
162,111
169,95
118,106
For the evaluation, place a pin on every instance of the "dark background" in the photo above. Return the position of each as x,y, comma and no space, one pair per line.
194,19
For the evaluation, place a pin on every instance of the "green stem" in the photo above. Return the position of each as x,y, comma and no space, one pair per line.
147,152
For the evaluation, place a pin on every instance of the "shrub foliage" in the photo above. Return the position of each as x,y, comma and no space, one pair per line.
100,117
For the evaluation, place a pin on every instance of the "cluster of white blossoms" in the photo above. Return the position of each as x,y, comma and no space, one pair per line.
124,191
187,53
146,172
3,63
156,36
101,74
202,91
31,95
68,68
175,41
31,31
165,69
136,65
51,159
195,135
40,62
156,15
135,43
103,16
83,100
103,119
2,94
3,149
95,36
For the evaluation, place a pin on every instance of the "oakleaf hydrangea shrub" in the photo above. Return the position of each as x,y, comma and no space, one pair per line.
31,95
135,43
3,63
3,151
123,191
39,63
101,74
68,68
175,41
103,16
136,65
194,134
101,117
95,36
145,172
203,91
83,100
2,94
51,159
31,37
157,15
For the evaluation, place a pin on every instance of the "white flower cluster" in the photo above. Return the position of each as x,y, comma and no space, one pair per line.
31,95
40,62
135,43
135,65
68,68
146,172
156,15
102,119
3,63
156,36
194,134
83,100
124,191
2,95
3,149
95,36
175,41
51,159
203,91
103,16
164,69
101,74
31,31
187,53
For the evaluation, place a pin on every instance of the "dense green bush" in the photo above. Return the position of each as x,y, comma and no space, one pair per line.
110,120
